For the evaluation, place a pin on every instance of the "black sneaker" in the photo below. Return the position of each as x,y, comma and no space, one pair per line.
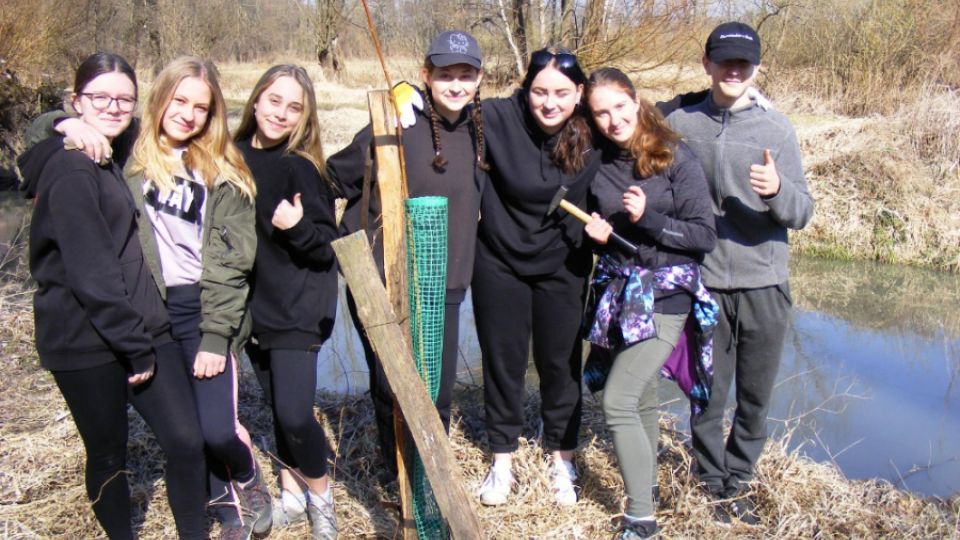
655,496
255,499
718,505
637,529
742,508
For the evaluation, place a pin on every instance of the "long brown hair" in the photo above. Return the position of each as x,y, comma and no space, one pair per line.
210,152
575,139
305,139
653,142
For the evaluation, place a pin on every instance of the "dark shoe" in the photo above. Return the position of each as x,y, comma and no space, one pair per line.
655,496
236,529
636,529
742,508
718,505
256,503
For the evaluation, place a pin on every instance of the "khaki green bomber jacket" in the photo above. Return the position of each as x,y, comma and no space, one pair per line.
229,248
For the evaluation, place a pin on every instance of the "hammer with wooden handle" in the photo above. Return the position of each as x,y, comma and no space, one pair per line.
559,202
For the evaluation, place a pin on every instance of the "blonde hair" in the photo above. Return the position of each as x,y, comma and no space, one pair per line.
304,140
211,152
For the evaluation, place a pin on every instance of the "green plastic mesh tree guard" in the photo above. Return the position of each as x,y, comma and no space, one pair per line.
427,288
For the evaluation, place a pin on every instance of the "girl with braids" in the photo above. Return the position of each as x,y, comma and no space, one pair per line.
294,294
444,157
653,191
531,268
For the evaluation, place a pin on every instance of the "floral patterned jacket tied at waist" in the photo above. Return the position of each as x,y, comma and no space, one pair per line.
621,315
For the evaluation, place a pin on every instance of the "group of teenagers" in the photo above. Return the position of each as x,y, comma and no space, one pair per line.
163,248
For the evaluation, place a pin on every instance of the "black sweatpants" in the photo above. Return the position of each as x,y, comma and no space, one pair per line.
747,345
380,389
97,398
288,378
228,456
508,309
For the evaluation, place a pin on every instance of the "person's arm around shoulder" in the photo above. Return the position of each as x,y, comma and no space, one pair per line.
693,228
781,184
228,258
308,222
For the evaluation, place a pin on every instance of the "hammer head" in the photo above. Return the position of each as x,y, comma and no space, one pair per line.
555,202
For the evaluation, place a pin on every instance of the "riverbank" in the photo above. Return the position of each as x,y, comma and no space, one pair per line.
42,495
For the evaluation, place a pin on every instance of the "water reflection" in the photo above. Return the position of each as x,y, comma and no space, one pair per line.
869,378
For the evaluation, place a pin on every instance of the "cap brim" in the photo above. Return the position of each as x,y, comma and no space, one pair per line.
722,54
451,59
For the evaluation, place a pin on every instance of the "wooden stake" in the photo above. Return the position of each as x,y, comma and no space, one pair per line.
392,184
385,332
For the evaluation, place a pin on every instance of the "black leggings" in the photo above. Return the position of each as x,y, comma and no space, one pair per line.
98,399
289,381
229,457
380,389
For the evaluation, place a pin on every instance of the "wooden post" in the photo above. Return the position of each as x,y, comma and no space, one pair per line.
391,181
385,332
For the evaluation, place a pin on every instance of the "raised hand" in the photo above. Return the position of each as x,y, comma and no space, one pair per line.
634,202
764,178
286,215
407,98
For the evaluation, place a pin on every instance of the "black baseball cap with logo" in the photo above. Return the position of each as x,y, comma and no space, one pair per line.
733,41
454,47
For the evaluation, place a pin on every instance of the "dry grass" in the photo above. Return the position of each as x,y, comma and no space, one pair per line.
42,495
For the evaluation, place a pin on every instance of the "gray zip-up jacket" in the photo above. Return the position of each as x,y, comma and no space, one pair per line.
752,249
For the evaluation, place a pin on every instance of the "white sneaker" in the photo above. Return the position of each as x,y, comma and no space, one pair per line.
561,483
496,486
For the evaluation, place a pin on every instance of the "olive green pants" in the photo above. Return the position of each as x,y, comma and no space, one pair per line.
630,406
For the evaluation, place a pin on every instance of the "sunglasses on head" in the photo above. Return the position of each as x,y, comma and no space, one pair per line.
543,57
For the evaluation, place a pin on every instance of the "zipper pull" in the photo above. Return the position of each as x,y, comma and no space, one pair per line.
225,236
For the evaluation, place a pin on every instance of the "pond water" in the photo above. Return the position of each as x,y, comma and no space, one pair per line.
870,377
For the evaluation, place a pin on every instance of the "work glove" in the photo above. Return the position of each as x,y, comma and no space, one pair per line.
409,101
759,99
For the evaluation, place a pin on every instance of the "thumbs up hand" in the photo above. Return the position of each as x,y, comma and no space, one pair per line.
286,215
764,178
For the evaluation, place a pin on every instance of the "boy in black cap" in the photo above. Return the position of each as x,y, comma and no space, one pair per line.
752,162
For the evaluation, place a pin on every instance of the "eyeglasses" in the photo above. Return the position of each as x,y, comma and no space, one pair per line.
543,57
102,102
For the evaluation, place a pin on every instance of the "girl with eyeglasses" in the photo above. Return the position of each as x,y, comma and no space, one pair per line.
444,149
531,268
294,294
101,326
652,190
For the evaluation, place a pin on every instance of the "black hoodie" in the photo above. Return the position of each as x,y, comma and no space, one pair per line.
294,293
96,301
524,179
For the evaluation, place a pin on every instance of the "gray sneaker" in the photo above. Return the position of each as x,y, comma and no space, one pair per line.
323,520
236,530
283,516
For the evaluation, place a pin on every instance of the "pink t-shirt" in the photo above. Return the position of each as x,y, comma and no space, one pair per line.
177,220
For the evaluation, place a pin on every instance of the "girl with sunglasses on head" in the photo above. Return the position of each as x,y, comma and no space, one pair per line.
653,191
294,294
443,150
101,326
531,268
